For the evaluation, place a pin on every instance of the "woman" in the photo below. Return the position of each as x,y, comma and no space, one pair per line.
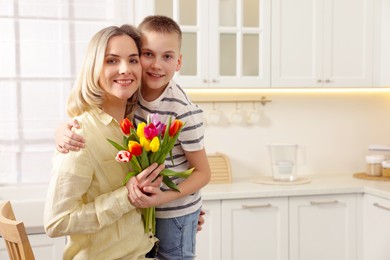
86,200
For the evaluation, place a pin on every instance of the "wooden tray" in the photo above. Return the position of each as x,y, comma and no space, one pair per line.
364,176
220,168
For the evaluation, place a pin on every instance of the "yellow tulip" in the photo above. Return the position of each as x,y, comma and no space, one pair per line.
155,144
145,143
140,129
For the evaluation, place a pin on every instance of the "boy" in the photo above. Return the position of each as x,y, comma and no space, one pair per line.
176,213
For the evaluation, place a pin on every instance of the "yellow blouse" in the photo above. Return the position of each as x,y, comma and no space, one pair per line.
87,202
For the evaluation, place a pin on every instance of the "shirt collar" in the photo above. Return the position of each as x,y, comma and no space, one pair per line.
105,118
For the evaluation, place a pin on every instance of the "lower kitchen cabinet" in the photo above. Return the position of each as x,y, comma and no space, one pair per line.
208,240
43,247
244,229
376,235
255,229
323,227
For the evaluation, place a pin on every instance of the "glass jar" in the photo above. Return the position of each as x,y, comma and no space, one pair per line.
386,168
374,164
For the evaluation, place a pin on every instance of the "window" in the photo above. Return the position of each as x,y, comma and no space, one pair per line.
42,45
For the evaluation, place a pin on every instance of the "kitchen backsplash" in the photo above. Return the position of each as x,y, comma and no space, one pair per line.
335,128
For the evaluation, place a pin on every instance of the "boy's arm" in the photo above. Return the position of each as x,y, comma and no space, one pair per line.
66,140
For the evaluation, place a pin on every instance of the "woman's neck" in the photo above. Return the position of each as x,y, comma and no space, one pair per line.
116,110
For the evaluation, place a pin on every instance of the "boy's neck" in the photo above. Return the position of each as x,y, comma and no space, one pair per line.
150,94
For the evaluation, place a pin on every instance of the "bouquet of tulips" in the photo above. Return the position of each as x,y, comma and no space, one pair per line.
150,142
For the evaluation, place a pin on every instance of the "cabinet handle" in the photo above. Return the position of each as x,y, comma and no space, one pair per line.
268,205
314,203
205,81
214,81
327,81
380,206
319,81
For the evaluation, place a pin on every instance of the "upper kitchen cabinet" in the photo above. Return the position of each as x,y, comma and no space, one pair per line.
226,43
322,43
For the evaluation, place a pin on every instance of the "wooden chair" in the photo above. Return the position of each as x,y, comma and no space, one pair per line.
14,234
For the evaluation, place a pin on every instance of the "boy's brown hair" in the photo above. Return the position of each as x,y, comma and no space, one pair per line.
160,24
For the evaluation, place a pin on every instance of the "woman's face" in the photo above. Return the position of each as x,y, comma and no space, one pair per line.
121,72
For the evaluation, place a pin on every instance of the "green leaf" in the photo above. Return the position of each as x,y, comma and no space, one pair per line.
136,166
144,159
171,157
116,145
183,174
133,137
160,157
170,183
166,135
125,142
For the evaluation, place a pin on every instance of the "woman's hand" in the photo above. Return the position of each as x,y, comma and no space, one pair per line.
150,176
144,188
66,140
201,219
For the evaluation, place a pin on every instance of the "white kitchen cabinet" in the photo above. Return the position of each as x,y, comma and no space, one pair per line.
323,227
319,227
376,235
208,240
322,43
255,229
43,247
226,43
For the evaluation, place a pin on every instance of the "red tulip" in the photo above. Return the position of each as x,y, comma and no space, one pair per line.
126,125
175,126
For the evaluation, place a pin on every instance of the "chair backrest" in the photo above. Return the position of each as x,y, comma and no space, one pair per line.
14,234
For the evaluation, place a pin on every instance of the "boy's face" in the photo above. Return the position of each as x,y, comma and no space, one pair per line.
160,59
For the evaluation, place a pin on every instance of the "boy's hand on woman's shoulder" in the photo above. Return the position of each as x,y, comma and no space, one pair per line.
66,140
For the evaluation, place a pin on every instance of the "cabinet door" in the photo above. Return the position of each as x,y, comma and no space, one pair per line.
348,52
43,247
315,45
239,43
225,43
255,229
376,233
208,240
297,43
323,227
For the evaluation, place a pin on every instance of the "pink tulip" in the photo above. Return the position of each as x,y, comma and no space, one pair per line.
150,131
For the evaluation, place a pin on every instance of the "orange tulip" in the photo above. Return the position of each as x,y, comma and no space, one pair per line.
135,148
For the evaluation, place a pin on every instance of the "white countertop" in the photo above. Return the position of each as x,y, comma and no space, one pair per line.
28,199
319,185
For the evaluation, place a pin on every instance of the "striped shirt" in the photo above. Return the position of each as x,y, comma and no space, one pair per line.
175,103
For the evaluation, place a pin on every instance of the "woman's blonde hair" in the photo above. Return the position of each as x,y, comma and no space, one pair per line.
87,91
